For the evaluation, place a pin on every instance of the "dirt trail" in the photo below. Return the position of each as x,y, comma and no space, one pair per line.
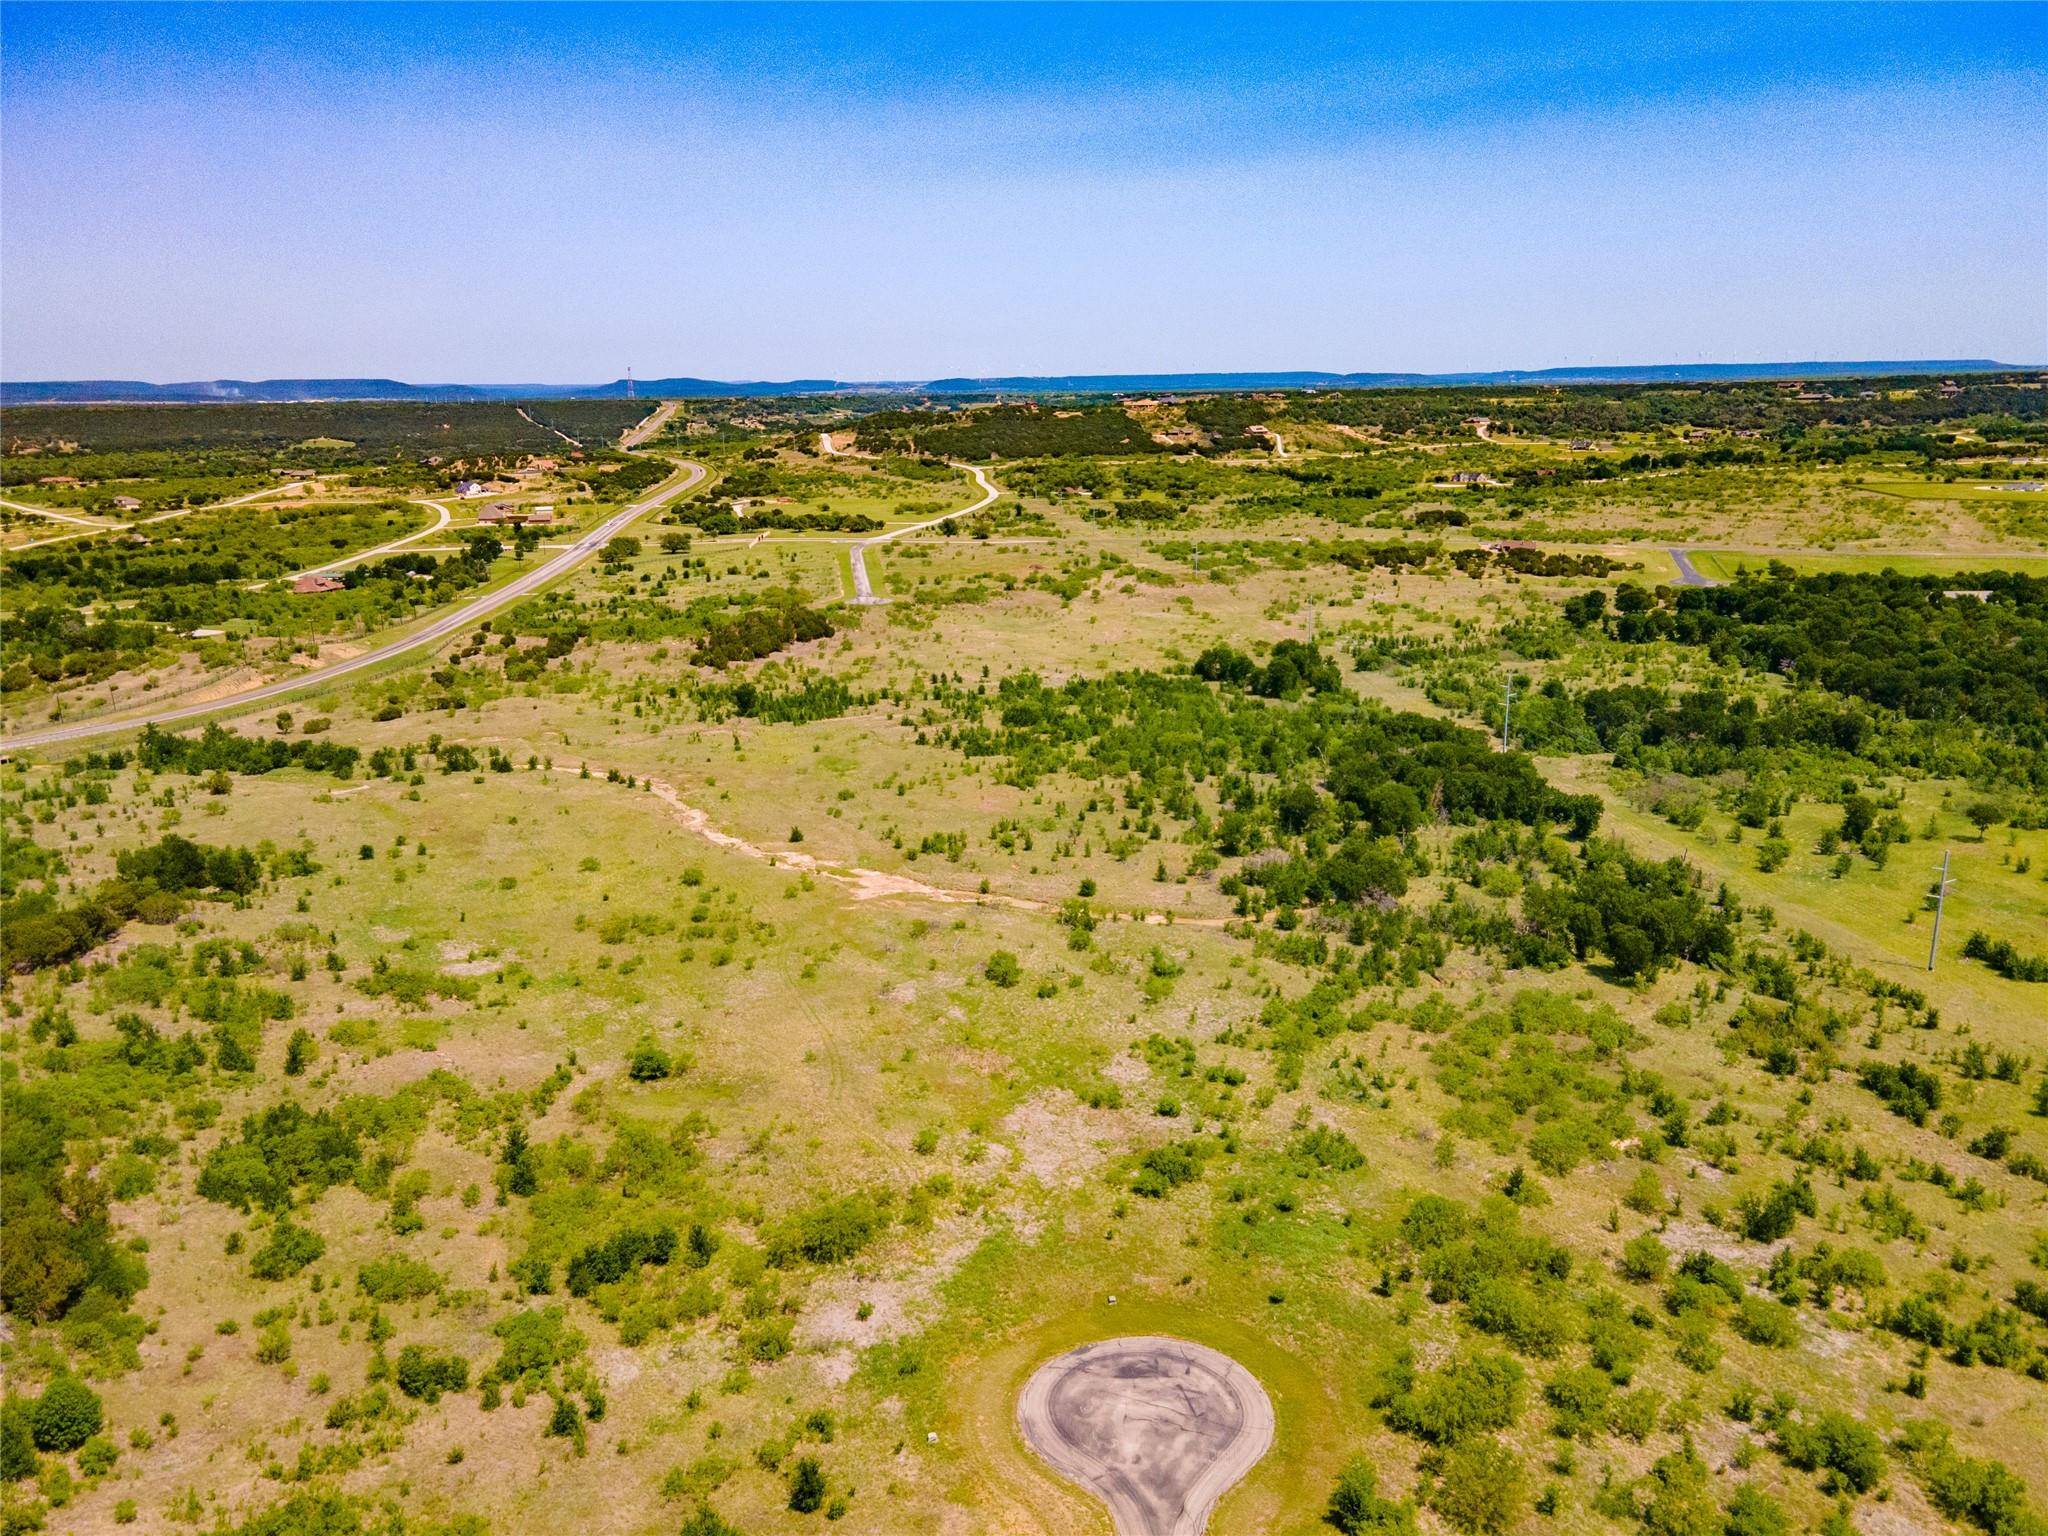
871,884
573,442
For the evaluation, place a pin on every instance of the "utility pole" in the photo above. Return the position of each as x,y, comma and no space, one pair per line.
1940,899
1507,708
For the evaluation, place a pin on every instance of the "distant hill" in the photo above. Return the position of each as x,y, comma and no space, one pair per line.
131,391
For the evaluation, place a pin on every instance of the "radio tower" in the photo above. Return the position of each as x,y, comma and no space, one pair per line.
629,383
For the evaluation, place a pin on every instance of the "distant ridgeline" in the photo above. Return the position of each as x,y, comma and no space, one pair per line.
79,391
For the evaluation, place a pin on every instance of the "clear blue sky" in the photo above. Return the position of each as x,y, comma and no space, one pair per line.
551,194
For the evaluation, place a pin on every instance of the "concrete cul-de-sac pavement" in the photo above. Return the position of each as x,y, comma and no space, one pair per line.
1158,1428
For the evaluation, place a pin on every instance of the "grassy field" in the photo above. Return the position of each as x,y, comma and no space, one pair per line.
927,972
1726,565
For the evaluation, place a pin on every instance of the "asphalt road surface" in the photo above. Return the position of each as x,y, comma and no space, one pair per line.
865,593
459,617
1159,1429
1689,575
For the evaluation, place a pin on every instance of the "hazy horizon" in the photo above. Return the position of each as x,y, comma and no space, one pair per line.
558,194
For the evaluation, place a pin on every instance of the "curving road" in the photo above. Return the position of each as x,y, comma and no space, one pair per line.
456,618
1689,575
89,526
650,424
862,591
444,518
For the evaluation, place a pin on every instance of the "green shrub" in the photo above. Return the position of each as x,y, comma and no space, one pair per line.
1579,1396
66,1416
1481,1488
807,1486
1847,1450
397,1278
17,1439
826,1234
425,1375
289,1249
1470,1396
1356,1509
1644,1258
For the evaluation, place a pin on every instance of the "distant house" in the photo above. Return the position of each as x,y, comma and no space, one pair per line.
61,480
469,488
126,504
505,514
1502,546
298,474
1582,445
309,586
1982,594
1470,477
1950,389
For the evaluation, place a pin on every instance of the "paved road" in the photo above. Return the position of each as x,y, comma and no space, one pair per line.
456,618
656,419
89,527
862,591
1689,575
94,523
444,515
1157,1428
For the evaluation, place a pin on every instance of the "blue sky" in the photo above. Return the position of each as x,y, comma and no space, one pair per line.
539,193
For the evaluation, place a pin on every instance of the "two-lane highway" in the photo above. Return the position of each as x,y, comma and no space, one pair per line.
688,476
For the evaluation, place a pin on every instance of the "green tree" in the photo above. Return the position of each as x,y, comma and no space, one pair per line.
1681,1497
17,1439
66,1416
807,1486
290,1249
650,1063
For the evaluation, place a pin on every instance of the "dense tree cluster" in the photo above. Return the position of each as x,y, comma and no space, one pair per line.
219,749
1896,641
57,1244
761,629
1007,432
1637,915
